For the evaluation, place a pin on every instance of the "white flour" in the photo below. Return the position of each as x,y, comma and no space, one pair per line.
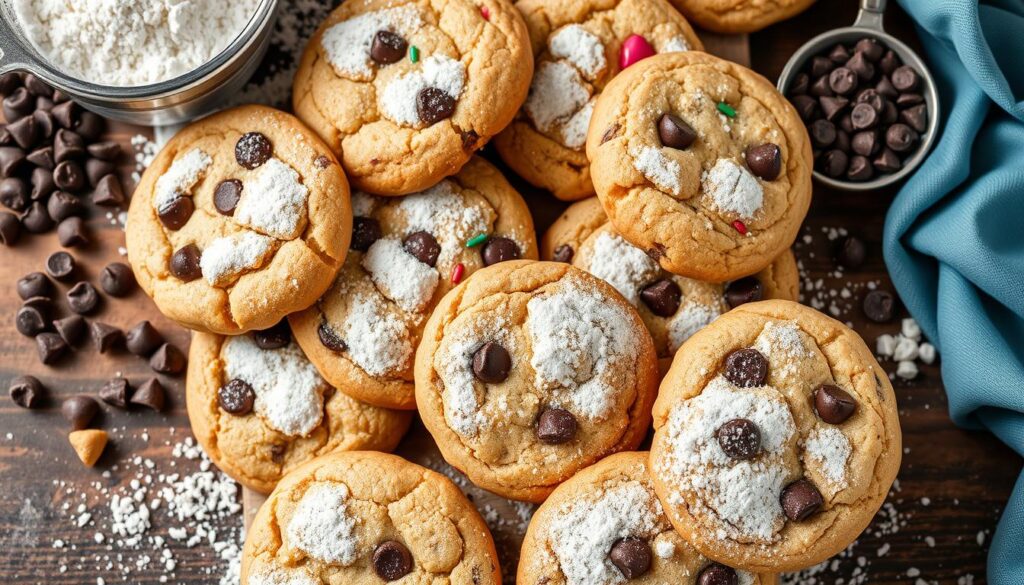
131,42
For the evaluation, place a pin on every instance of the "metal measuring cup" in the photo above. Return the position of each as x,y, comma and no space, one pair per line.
173,101
869,24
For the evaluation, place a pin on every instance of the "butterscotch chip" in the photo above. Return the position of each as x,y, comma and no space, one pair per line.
88,444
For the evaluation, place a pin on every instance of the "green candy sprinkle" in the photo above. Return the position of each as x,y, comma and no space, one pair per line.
414,53
726,109
476,240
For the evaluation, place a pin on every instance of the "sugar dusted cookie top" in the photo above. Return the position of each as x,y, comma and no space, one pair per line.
776,437
404,90
241,219
702,163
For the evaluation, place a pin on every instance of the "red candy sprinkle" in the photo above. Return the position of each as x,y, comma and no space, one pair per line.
457,273
485,13
740,227
634,49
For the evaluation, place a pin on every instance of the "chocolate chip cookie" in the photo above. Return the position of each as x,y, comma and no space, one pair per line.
673,307
260,409
242,218
578,47
366,517
531,371
701,163
406,91
406,253
739,16
776,437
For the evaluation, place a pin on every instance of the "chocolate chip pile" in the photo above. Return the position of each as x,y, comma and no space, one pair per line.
51,156
863,109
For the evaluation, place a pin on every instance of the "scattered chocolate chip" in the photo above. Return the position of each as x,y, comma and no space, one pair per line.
277,453
745,290
26,391
33,284
252,150
823,133
909,99
365,231
632,556
150,394
564,253
833,404
168,359
422,246
10,228
851,252
499,249
842,80
716,574
50,347
900,137
79,411
674,132
236,397
82,298
274,337
96,169
739,438
29,321
226,196
885,88
863,116
799,85
176,214
662,297
889,62
117,279
491,363
184,263
37,220
879,306
860,169
887,161
14,193
387,47
916,117
556,426
63,205
115,392
746,368
10,82
108,192
42,184
105,337
11,158
391,560
71,233
107,150
765,161
470,139
71,329
905,78
60,265
69,176
322,162
433,105
330,338
67,145
800,500
143,339
872,98
871,49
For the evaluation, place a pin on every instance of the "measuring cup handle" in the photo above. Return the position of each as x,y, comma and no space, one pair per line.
12,55
870,14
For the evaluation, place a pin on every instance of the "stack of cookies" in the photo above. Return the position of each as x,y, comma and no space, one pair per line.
325,318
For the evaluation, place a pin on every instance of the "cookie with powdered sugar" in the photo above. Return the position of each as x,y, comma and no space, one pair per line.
701,163
242,218
365,517
673,307
531,371
578,47
406,253
605,525
405,91
260,409
776,437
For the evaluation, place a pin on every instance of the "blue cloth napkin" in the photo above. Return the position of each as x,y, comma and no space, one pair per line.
954,236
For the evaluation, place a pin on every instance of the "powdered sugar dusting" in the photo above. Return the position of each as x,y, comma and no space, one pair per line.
690,318
829,450
362,204
782,344
347,44
183,174
445,214
556,93
378,342
733,189
274,201
580,47
226,258
675,45
622,265
658,168
399,276
322,526
574,131
463,394
398,101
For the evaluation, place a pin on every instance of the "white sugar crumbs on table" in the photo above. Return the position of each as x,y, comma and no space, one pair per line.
322,527
690,318
906,348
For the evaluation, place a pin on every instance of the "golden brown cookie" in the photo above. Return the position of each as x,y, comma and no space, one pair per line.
577,48
673,307
776,437
406,254
242,218
605,525
531,371
364,518
702,163
405,91
260,409
739,16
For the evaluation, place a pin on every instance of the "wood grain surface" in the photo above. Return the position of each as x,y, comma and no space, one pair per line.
935,526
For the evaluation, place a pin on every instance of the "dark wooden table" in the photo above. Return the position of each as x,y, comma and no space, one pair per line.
935,526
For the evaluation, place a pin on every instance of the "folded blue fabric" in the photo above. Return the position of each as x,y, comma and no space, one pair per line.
954,236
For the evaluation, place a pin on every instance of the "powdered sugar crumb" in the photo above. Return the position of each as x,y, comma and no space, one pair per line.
183,174
690,318
829,449
556,93
733,189
658,168
378,342
228,257
580,47
322,527
622,265
274,201
399,276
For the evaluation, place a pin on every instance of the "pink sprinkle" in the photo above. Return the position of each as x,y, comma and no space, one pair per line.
485,13
740,227
457,273
634,49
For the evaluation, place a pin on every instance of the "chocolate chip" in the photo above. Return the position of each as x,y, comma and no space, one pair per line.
108,192
434,105
889,113
823,133
887,161
833,106
556,426
226,196
422,246
739,438
387,47
491,363
277,453
800,84
29,321
59,97
861,66
391,560
821,87
274,337
889,62
842,80
14,193
851,252
115,392
17,105
871,48
143,339
26,391
11,158
900,137
67,145
365,231
105,337
885,88
90,125
330,338
184,263
50,347
42,184
674,132
746,368
24,132
64,113
63,205
716,574
820,66
60,265
69,176
765,161
863,116
800,500
322,162
872,98
662,297
905,78
176,214
842,141
236,397
563,253
879,306
745,290
839,54
96,169
83,298
79,411
37,220
71,329
805,106
252,150
833,404
71,233
10,82
33,284
117,279
42,157
916,117
499,249
860,169
168,359
10,228
865,143
632,556
107,150
909,99
150,394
